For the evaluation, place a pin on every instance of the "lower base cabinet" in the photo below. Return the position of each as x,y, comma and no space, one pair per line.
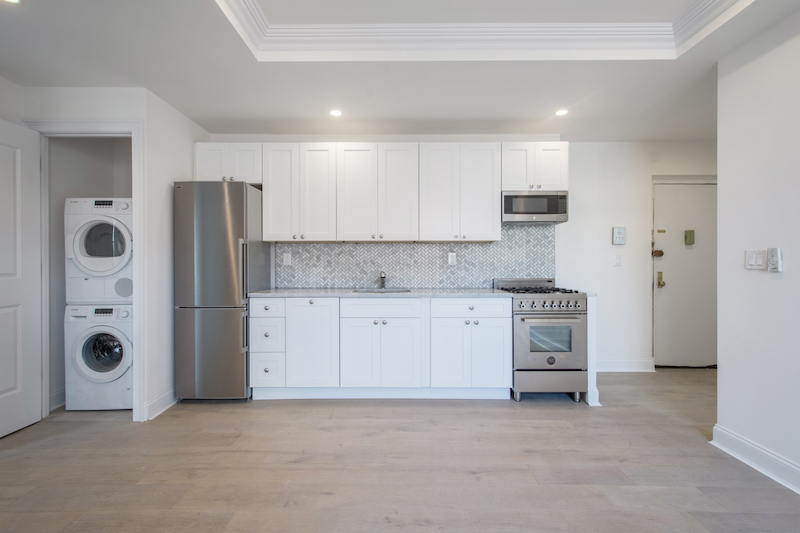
381,352
312,342
471,352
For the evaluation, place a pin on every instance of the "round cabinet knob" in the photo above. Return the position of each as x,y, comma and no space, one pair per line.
456,236
266,308
381,235
302,236
463,236
373,236
224,178
266,370
466,322
230,179
266,334
294,236
471,307
384,322
538,186
311,301
476,322
375,322
530,186
124,314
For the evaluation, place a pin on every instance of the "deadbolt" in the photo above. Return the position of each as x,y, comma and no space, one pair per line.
661,282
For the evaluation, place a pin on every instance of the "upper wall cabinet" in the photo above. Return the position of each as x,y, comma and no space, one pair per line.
299,192
460,187
377,192
227,162
536,166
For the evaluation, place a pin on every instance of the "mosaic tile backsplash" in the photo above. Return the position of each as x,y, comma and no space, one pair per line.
525,251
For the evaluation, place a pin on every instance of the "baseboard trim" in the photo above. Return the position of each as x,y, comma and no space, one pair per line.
626,365
155,407
427,393
769,463
58,399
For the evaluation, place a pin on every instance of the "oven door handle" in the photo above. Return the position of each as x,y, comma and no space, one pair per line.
551,319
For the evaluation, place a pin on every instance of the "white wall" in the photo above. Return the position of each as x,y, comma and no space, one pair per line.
169,150
78,167
11,101
759,186
610,184
78,104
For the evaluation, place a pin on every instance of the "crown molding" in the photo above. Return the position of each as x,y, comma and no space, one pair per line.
474,42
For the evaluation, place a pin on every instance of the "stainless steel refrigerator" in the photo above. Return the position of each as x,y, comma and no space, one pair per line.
219,258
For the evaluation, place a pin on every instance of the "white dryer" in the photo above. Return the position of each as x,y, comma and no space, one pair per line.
98,350
99,247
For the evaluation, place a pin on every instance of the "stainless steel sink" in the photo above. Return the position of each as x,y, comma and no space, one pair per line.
381,290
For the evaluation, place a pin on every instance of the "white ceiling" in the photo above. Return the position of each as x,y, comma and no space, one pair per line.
188,53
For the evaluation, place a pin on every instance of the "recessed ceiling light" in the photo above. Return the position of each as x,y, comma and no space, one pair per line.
336,113
14,1
562,112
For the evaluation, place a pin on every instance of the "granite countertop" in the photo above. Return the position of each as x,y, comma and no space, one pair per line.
348,293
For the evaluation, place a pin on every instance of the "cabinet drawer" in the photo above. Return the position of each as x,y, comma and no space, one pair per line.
267,369
269,307
470,307
380,307
267,335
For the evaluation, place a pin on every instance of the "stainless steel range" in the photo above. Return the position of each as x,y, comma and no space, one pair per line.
550,336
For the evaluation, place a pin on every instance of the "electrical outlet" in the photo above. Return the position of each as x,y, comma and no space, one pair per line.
451,258
287,258
618,236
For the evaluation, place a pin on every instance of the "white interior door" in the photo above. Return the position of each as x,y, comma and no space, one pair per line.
685,308
20,279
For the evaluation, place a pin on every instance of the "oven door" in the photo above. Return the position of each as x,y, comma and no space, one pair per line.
549,342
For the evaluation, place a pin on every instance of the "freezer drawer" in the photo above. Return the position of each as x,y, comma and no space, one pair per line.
211,353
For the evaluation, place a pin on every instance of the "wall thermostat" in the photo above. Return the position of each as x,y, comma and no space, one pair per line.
774,260
618,236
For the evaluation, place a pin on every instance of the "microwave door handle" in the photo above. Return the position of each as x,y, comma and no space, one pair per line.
551,319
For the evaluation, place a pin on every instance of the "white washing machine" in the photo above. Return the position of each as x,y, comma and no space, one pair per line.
99,247
98,350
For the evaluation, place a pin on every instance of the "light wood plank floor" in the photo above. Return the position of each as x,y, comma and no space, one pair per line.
639,464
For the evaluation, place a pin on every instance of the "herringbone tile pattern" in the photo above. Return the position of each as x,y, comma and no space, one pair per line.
524,252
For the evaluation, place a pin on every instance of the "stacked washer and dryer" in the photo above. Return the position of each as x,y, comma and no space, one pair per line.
98,322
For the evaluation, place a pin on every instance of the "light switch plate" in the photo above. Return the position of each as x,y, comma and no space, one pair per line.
755,260
618,236
451,258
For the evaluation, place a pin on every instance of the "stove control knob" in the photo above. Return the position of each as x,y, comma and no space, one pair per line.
534,306
563,305
571,305
522,305
546,305
578,305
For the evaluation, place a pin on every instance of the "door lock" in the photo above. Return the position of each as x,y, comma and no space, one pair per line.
661,281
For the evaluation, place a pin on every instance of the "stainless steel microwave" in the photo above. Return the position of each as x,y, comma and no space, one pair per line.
535,206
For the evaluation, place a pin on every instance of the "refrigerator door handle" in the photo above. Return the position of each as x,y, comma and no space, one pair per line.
243,260
243,332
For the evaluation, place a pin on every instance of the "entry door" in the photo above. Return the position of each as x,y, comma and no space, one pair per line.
20,279
685,308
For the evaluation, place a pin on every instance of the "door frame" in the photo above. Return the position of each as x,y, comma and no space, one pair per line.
665,180
134,130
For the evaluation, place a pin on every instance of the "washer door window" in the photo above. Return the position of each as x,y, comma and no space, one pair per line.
102,354
101,247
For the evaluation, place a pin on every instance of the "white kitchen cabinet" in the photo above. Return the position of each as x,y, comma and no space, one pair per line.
398,191
401,352
228,162
536,166
281,191
377,192
471,352
357,191
460,189
360,356
312,342
317,197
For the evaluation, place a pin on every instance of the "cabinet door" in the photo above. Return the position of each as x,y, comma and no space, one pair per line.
312,342
480,192
318,192
552,166
245,162
401,352
281,191
398,191
211,161
451,356
518,166
357,192
439,192
492,340
360,356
